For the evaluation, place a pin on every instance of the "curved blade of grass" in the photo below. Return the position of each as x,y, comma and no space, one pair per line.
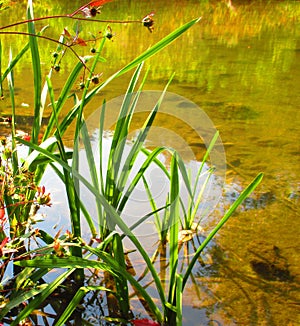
73,201
246,192
80,127
154,49
89,220
153,159
72,196
144,218
126,168
206,155
89,155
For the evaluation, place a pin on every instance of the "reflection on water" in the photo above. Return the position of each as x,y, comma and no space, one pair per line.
242,68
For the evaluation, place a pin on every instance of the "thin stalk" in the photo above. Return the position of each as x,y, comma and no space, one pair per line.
174,229
110,21
69,46
73,200
10,79
224,219
80,128
37,75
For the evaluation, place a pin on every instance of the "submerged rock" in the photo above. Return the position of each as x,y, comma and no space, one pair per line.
266,261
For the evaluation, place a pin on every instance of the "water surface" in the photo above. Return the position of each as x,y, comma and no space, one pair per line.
242,67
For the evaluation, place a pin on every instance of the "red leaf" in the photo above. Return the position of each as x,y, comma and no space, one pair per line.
81,42
2,245
145,322
2,214
66,33
27,138
98,3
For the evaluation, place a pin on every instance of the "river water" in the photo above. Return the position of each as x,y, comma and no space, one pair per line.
241,66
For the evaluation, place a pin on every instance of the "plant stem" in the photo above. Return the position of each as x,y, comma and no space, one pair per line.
111,21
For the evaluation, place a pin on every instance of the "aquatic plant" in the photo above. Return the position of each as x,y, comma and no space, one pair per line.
109,188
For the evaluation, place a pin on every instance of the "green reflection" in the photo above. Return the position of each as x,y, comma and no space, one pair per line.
190,57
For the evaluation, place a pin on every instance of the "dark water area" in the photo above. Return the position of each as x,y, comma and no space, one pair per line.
241,66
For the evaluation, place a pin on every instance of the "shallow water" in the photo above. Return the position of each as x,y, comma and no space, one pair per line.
242,68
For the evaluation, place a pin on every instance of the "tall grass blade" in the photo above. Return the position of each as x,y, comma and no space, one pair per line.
206,155
100,146
136,150
179,292
224,219
197,201
37,75
121,281
174,227
10,79
13,62
157,221
119,139
73,200
89,155
139,141
64,94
